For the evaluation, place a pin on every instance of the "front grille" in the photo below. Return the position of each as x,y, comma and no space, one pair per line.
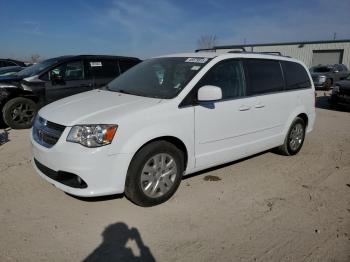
66,178
46,133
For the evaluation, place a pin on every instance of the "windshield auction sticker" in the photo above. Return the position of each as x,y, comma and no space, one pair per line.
93,64
196,60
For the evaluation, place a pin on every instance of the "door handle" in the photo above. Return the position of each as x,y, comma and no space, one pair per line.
259,106
244,108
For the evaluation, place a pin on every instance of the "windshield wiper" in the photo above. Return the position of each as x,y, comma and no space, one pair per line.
124,92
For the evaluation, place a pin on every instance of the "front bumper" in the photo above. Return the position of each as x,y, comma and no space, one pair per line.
103,171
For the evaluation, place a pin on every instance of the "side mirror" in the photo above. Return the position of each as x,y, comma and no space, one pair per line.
57,80
209,93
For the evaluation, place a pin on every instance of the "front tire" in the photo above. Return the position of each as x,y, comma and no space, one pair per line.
154,174
19,113
294,139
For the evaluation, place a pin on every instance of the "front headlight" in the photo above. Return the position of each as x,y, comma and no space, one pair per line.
322,79
92,135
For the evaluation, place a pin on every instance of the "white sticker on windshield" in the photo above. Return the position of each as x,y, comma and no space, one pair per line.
195,68
196,60
93,64
177,86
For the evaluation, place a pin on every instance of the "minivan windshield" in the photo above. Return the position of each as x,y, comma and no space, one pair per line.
158,77
37,68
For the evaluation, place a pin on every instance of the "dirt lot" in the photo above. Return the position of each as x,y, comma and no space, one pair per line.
264,208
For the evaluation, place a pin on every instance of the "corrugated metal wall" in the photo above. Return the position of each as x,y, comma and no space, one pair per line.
304,53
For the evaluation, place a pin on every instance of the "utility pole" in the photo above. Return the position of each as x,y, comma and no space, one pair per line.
335,36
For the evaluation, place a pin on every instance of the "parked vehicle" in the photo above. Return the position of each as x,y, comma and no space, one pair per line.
11,62
341,92
23,93
171,116
10,70
324,76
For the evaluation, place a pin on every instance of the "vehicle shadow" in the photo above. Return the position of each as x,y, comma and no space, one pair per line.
97,198
114,245
119,196
322,101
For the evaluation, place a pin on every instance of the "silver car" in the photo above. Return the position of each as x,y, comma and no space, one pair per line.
324,76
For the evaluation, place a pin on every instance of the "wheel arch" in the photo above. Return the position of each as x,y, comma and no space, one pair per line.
305,118
171,139
7,96
298,112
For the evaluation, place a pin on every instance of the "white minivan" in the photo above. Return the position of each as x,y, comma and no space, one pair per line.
171,116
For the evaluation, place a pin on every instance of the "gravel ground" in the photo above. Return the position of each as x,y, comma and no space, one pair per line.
264,208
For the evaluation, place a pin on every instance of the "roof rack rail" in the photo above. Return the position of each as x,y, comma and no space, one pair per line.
242,50
218,48
271,53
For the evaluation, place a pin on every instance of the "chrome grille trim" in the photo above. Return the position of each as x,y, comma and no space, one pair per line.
46,133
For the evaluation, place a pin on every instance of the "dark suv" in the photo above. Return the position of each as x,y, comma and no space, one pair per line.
22,94
324,76
341,92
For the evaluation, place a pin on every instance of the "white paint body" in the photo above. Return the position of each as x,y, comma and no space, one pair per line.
233,129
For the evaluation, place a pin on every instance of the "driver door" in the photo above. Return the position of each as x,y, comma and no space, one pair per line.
67,79
224,128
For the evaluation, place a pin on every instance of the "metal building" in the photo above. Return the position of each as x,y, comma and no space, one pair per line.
310,52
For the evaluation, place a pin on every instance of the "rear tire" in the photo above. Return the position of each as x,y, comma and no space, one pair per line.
154,174
294,139
19,112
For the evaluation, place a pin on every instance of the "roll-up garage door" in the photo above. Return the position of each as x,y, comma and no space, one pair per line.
325,57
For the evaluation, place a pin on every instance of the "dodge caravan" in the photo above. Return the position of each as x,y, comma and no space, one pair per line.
171,116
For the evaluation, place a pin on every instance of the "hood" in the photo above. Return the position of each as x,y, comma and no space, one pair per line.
320,74
95,107
8,79
343,84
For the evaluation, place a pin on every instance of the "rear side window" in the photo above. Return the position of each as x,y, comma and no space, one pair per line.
127,64
264,76
295,75
103,68
229,76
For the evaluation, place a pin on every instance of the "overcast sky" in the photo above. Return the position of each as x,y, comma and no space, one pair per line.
154,27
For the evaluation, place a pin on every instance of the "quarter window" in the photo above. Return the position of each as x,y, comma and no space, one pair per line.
295,75
265,76
229,76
